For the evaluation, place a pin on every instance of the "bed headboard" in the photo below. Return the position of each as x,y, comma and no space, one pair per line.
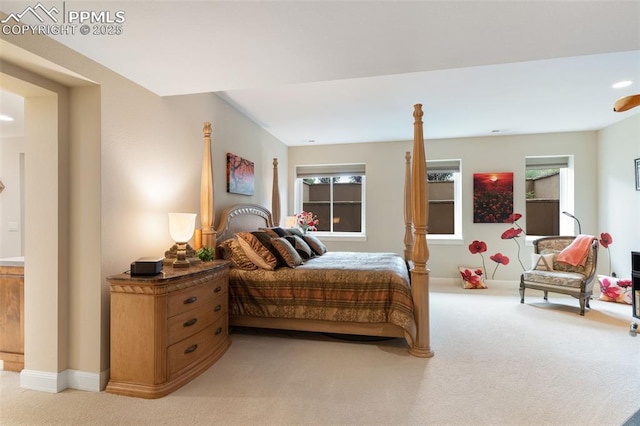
242,217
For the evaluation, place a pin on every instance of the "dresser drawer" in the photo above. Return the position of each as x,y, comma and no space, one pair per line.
191,322
195,297
196,347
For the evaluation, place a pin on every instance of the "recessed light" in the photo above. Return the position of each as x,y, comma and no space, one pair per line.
621,84
5,118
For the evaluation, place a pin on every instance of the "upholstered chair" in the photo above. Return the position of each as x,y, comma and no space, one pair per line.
549,275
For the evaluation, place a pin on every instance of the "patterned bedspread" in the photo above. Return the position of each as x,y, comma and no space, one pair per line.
337,286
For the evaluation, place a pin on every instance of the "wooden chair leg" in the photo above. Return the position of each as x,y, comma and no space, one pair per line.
583,302
521,294
546,296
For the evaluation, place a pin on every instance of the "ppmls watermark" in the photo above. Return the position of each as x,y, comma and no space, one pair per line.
60,20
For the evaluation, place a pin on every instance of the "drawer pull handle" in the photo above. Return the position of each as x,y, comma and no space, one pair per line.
190,300
217,289
219,330
190,349
217,308
190,322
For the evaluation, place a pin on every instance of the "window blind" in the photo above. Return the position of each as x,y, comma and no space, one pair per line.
330,170
443,166
551,162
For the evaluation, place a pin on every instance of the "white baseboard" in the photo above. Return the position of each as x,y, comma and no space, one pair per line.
57,382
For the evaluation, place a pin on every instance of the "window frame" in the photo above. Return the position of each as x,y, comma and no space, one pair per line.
437,166
566,190
334,170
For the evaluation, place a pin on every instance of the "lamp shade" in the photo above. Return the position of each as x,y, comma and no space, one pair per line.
181,226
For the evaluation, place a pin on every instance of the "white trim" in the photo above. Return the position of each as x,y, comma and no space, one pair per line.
57,382
340,236
43,381
444,239
86,381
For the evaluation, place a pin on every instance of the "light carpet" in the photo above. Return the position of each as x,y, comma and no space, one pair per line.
497,362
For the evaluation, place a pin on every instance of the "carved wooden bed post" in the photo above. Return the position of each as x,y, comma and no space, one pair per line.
408,217
419,272
275,195
207,214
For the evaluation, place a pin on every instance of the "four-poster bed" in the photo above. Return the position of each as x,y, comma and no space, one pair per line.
396,291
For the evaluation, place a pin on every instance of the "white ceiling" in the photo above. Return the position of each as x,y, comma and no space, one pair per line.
350,71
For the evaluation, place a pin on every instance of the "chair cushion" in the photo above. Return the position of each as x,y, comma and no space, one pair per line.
554,278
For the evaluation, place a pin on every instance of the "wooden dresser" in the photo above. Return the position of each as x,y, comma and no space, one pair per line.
168,328
12,317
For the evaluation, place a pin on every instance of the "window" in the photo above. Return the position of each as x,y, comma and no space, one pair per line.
549,192
335,193
445,192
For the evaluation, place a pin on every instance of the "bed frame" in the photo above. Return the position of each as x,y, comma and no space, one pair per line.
245,217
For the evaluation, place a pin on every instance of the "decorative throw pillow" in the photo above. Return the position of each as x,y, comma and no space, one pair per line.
316,245
265,238
542,262
275,231
256,251
294,231
615,289
289,254
472,277
232,251
301,246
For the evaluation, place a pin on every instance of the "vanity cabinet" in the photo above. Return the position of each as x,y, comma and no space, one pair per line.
12,317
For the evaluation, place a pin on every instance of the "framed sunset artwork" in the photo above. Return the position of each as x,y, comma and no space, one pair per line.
240,178
492,197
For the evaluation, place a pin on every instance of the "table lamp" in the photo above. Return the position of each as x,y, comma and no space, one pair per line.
181,227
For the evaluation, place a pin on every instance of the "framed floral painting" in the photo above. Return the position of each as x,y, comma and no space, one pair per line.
240,175
492,197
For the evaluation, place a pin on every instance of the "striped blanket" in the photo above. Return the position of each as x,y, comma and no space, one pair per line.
337,286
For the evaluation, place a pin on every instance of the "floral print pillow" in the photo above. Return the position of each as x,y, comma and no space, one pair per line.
472,277
615,289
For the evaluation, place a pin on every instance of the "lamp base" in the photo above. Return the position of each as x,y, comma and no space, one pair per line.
181,263
172,257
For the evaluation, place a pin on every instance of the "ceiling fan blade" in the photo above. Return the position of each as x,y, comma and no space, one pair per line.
626,103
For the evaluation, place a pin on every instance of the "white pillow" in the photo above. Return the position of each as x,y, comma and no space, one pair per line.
542,262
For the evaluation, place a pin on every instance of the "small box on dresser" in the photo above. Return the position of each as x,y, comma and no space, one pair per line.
167,329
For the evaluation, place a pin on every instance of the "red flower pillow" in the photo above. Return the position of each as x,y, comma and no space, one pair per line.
472,277
615,289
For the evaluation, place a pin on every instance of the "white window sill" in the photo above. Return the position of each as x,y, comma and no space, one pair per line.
340,236
444,240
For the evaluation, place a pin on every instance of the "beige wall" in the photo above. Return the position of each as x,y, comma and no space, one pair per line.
618,201
383,196
385,180
128,158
